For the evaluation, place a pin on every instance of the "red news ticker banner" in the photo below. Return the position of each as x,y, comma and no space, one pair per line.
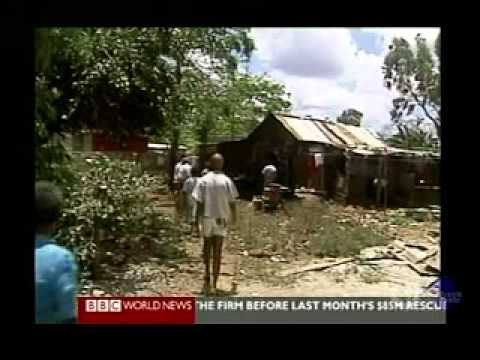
136,310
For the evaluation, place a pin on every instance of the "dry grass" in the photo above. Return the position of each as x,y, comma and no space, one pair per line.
370,276
313,227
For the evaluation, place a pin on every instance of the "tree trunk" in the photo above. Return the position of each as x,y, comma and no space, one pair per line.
173,156
175,118
204,135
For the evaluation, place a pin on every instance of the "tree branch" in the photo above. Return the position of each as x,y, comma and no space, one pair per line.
424,108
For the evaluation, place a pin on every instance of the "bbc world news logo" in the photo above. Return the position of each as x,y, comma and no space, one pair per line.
103,305
139,310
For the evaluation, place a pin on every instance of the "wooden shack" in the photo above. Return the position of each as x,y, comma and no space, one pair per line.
341,161
308,153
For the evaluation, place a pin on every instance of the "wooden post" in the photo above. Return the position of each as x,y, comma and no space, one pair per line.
379,177
364,175
347,176
385,176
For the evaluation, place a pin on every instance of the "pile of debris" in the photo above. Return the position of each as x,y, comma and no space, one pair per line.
422,214
423,259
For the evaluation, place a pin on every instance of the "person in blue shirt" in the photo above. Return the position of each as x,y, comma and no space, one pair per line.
55,266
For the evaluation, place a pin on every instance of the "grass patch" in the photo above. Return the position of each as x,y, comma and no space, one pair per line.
314,227
343,240
399,220
371,276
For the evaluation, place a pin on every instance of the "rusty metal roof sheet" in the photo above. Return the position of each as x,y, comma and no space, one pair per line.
414,153
396,151
327,132
363,137
304,130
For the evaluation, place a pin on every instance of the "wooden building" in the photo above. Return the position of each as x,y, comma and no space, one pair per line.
342,161
308,152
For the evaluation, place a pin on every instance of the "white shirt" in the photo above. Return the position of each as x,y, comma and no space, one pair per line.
215,191
189,185
318,159
176,171
269,173
184,172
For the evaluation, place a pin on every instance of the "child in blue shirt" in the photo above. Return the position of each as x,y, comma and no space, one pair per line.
55,267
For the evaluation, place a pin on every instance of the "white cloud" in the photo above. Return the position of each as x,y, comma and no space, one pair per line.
302,51
326,72
408,33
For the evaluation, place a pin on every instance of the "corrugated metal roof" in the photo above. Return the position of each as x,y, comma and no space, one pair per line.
396,151
364,137
164,146
363,152
327,132
304,130
415,153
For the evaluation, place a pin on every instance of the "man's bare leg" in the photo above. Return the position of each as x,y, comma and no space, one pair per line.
217,259
207,249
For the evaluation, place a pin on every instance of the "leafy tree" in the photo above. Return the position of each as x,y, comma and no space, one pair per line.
50,154
415,74
411,135
120,81
170,83
350,117
232,108
197,53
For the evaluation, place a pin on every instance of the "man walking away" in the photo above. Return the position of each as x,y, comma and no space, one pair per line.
55,267
188,202
184,172
215,195
176,176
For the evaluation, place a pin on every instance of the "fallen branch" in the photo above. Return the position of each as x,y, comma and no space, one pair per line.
415,267
428,255
418,246
316,267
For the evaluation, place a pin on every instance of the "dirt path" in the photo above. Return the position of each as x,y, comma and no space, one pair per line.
261,276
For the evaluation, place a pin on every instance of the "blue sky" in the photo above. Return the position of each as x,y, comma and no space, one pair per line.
330,69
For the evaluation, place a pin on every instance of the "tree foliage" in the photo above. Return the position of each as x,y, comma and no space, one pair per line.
232,107
411,135
50,154
415,74
169,83
350,117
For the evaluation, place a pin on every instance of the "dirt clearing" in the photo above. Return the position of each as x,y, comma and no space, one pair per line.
266,254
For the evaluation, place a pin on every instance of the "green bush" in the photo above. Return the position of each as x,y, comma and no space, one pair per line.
107,211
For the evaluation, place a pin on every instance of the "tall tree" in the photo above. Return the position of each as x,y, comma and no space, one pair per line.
196,52
350,117
415,74
50,154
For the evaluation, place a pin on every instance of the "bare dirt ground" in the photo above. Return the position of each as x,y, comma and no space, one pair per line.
261,274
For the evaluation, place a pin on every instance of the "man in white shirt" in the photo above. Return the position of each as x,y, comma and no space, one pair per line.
176,176
215,195
184,171
269,173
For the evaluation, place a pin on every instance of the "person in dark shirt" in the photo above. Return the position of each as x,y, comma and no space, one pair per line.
55,266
